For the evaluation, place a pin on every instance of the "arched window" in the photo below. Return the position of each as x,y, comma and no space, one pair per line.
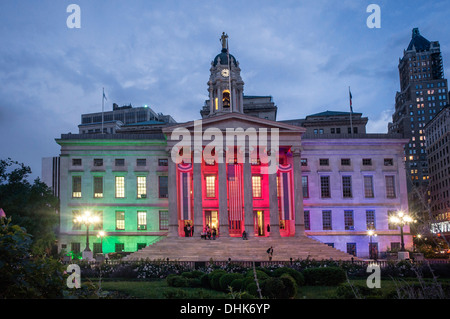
226,98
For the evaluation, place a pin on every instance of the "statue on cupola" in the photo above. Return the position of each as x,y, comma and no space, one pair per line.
225,85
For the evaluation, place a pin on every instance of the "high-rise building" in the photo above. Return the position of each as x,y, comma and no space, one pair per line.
423,93
438,150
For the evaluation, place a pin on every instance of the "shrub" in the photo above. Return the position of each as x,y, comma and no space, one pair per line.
214,278
252,289
192,274
273,288
177,281
237,284
204,281
226,280
261,275
324,276
298,276
290,287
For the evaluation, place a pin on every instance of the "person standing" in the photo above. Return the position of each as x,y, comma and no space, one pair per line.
270,252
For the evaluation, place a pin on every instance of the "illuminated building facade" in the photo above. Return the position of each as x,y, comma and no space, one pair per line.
237,169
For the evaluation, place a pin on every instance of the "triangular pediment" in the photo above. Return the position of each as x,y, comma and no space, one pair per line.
235,120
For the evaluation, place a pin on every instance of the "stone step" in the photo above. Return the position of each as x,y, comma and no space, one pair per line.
196,249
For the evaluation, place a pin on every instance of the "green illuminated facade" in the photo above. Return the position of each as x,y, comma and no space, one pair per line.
122,178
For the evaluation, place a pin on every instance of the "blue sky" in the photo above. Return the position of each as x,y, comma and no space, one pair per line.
305,54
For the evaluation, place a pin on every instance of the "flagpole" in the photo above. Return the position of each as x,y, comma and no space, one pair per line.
103,108
351,110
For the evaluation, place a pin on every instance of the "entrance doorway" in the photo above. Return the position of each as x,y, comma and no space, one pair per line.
259,222
212,219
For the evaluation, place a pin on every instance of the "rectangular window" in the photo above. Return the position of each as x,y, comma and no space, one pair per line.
326,220
120,220
324,162
368,187
256,186
345,162
348,220
370,219
305,186
210,186
76,186
76,162
120,187
307,220
98,186
141,187
98,162
347,186
351,249
163,162
119,247
390,187
304,161
75,247
163,187
388,162
141,162
97,248
119,162
141,220
325,186
163,220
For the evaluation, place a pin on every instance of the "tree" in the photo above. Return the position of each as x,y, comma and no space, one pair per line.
23,275
30,205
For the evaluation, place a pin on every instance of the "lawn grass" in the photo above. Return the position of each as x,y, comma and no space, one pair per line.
158,289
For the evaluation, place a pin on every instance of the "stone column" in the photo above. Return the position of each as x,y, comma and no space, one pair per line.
248,196
223,199
173,200
198,205
298,193
273,204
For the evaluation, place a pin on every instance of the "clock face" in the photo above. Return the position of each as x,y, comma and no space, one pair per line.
225,73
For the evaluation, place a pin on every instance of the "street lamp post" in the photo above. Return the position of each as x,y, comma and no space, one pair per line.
87,219
100,235
371,233
401,220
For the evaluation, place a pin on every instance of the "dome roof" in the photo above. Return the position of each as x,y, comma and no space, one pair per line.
224,58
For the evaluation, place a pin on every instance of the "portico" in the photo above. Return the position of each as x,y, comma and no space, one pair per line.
234,173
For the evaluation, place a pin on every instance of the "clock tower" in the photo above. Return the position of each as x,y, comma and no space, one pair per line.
225,85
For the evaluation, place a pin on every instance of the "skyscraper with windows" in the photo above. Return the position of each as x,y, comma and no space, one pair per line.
423,93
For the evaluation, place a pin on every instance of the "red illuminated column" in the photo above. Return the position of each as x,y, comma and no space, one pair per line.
273,204
248,195
223,201
298,193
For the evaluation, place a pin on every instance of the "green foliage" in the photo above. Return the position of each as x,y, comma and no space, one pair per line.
356,292
177,281
31,205
23,275
226,280
261,275
237,284
214,278
298,276
324,276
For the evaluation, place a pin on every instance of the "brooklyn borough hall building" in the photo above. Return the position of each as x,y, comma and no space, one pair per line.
229,184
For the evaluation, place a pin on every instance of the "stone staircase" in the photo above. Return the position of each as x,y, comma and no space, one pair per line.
253,249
